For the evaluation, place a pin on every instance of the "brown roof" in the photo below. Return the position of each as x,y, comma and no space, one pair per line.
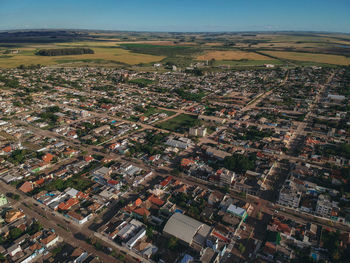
35,246
142,211
26,187
48,239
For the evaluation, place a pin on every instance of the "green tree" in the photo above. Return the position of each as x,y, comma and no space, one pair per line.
15,233
149,232
239,163
172,243
241,248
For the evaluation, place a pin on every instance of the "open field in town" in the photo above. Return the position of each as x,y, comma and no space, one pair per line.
231,55
180,123
311,57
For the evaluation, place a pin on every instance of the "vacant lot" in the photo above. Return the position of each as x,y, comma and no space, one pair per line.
152,111
318,58
231,55
180,123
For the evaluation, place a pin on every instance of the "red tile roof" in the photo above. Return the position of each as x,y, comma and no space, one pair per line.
7,149
40,181
155,200
67,205
88,158
166,181
142,211
81,195
47,158
26,187
48,239
218,235
113,182
138,202
186,162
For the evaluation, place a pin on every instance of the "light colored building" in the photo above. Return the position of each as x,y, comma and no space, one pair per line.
336,97
289,195
50,240
324,206
140,234
201,131
187,229
218,154
177,144
237,211
101,129
226,177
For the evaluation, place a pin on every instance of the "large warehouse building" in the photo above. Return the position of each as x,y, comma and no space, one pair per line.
187,230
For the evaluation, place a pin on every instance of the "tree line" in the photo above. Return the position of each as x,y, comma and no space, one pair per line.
64,51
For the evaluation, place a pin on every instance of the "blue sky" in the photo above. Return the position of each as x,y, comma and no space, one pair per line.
177,15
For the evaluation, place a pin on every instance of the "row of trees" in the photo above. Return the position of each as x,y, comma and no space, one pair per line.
64,51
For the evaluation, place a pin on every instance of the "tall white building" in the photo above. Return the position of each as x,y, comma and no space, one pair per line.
324,206
290,195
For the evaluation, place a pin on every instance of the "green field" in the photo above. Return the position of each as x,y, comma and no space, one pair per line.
162,50
180,123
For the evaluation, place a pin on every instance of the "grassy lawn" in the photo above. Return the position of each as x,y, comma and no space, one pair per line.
180,123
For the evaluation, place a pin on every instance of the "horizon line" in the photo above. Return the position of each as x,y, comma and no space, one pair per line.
185,32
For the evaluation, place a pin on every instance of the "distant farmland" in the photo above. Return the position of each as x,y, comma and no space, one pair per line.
318,58
26,56
141,50
232,55
163,50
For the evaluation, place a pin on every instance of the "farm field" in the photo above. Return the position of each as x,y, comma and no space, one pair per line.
247,63
163,50
140,51
311,57
231,55
102,55
288,45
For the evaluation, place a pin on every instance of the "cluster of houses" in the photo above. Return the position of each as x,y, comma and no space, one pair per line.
162,209
22,238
